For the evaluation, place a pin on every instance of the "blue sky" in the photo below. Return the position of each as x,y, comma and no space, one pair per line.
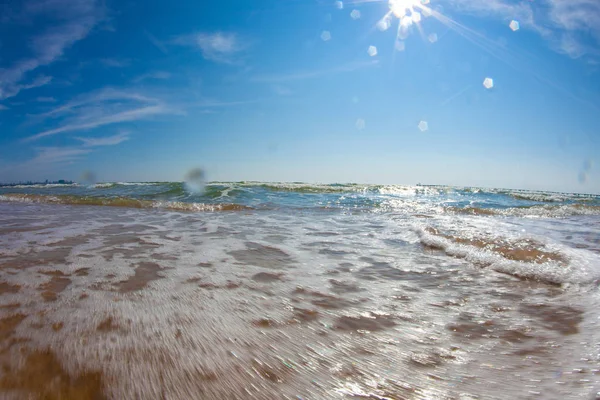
317,91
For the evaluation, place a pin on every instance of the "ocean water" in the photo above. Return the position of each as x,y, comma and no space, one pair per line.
298,291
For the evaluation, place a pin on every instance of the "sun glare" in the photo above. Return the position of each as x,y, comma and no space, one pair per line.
408,12
401,8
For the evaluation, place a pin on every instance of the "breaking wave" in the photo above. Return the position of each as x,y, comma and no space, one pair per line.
121,202
524,258
538,211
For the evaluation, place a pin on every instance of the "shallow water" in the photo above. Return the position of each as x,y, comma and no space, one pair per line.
398,298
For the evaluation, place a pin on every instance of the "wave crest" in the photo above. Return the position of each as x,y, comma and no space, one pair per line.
524,258
122,202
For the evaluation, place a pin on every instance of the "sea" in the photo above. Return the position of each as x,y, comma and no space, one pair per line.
240,290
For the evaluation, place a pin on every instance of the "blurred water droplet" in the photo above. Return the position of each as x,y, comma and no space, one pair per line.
423,126
355,14
416,17
355,99
360,124
384,24
426,12
588,165
514,25
89,178
399,46
433,37
195,180
325,36
339,5
582,177
372,51
488,83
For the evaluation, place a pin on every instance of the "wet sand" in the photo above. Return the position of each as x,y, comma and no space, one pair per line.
117,304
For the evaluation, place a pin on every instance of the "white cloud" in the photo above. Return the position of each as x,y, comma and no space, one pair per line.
104,141
52,155
73,20
576,20
46,157
105,95
223,47
157,43
161,75
101,108
9,90
115,62
300,75
571,27
281,90
45,100
109,119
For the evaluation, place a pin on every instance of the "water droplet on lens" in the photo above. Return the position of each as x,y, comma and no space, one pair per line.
416,17
360,124
355,14
195,180
514,25
582,177
89,178
588,165
355,99
433,37
325,36
400,46
488,83
339,5
372,51
423,126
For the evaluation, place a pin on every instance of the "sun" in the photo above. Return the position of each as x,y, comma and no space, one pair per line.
400,8
408,13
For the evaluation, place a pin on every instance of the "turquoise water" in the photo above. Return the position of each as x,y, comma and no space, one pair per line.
369,198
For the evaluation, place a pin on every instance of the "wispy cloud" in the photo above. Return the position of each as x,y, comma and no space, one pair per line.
300,75
115,62
160,75
3,107
575,20
104,141
281,90
53,155
124,116
45,100
157,43
73,19
571,27
222,47
47,157
11,90
104,107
